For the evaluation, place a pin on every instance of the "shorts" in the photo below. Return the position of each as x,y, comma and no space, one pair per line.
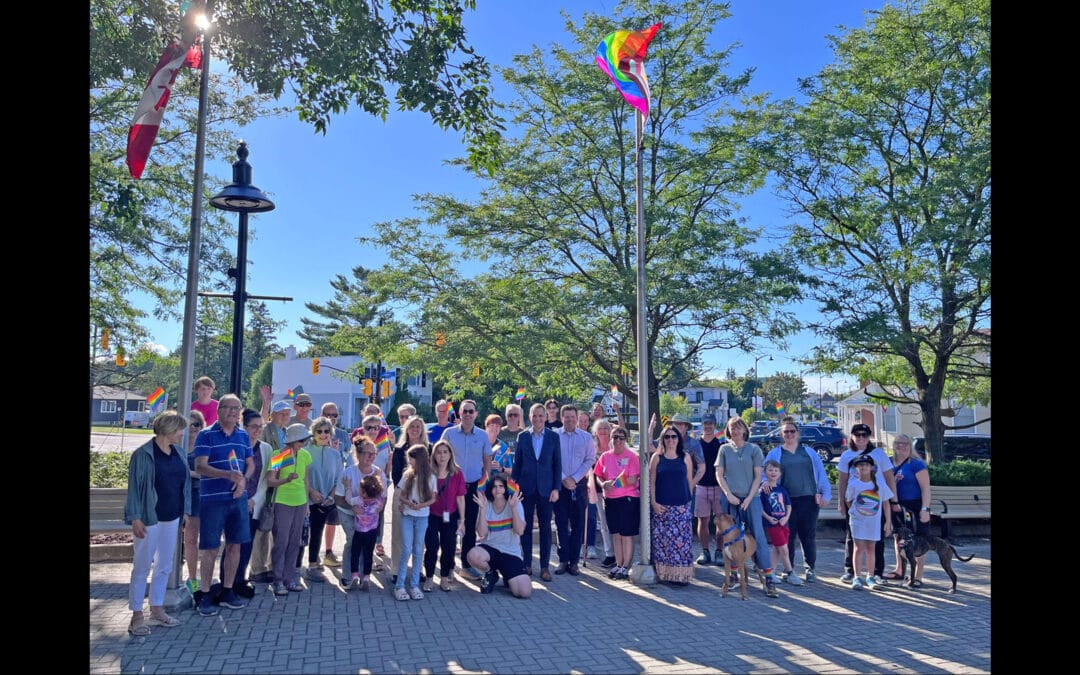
231,517
332,517
623,515
194,503
509,566
777,535
707,501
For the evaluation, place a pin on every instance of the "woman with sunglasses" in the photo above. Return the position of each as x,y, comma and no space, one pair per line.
191,527
324,473
671,483
803,476
619,471
862,445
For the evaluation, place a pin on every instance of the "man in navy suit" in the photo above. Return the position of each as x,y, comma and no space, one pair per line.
538,472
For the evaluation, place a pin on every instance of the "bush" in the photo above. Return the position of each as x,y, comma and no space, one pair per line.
109,469
960,472
833,473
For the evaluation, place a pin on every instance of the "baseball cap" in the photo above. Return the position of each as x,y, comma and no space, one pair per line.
281,406
863,459
302,398
708,418
864,428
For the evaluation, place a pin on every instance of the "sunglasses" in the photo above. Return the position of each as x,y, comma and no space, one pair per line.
334,416
195,425
302,405
668,437
618,438
255,426
468,412
323,431
789,431
861,434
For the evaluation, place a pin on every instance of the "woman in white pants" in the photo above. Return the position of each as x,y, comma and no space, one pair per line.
159,494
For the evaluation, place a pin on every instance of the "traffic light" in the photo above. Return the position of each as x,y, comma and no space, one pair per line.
120,360
386,388
440,339
105,339
315,366
367,387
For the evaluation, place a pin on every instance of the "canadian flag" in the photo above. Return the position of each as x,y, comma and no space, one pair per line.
154,99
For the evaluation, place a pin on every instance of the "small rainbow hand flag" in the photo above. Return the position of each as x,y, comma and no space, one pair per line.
450,409
779,408
512,487
281,460
481,484
383,441
520,395
233,462
155,398
620,480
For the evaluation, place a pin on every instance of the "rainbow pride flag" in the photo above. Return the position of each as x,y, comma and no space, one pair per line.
234,463
281,460
481,484
499,525
512,487
383,440
620,480
622,56
450,409
614,391
779,408
520,395
156,398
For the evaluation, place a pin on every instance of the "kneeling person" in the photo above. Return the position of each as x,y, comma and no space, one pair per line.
500,524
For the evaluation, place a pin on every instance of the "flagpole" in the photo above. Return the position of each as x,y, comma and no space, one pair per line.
642,573
174,599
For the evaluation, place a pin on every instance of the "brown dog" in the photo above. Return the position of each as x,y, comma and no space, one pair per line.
916,546
739,548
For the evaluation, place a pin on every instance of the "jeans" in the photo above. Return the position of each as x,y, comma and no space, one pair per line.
413,529
803,526
157,549
752,517
348,522
441,538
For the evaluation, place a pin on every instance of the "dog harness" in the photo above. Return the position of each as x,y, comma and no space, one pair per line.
741,537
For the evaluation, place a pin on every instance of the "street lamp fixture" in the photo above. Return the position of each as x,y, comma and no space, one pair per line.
756,359
240,197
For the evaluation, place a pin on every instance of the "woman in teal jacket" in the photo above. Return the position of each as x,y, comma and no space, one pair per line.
158,495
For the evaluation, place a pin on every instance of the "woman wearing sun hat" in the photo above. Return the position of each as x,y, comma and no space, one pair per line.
289,477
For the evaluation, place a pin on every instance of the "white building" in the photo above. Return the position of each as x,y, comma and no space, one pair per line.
889,420
343,388
705,400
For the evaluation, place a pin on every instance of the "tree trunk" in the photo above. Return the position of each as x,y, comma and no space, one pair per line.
932,426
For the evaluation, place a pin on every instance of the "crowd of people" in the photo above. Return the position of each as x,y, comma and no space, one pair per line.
283,487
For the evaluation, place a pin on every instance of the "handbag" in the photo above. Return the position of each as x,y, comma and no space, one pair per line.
266,515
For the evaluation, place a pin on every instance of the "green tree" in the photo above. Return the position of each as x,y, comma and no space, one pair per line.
555,308
353,305
672,405
787,388
889,161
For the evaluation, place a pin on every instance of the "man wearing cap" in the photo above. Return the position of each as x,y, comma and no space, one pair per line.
473,453
222,458
274,432
707,494
691,446
303,411
862,445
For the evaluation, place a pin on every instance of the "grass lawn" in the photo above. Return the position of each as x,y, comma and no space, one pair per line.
116,430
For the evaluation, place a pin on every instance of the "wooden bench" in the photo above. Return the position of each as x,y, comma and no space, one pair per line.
969,502
832,511
107,510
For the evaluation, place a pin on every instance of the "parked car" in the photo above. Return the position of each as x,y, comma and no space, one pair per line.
762,427
828,423
828,442
137,419
959,446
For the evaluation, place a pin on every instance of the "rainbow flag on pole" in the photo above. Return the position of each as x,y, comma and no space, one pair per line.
281,460
622,56
234,463
450,410
520,395
382,442
156,399
512,487
482,483
620,480
779,408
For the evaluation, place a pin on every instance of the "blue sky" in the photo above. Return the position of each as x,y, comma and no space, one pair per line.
330,189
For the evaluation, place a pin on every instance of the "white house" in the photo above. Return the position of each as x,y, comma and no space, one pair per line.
888,420
704,400
346,389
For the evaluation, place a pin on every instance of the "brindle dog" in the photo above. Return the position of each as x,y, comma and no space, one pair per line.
739,548
915,546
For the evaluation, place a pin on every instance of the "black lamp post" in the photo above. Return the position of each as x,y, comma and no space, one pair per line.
240,197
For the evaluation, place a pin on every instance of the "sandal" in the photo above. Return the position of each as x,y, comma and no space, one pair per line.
379,550
401,594
916,584
893,576
139,630
164,621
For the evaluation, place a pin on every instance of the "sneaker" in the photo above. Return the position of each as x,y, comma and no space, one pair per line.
705,558
770,588
229,599
401,593
314,573
365,585
872,582
608,562
847,578
792,579
470,574
734,579
245,590
490,579
296,586
192,586
207,606
878,581
857,583
416,593
613,573
331,559
810,576
429,585
623,573
444,583
279,588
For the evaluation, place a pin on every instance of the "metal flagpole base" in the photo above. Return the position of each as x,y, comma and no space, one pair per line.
642,574
177,599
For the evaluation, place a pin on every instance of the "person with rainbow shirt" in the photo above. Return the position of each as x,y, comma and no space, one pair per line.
500,525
